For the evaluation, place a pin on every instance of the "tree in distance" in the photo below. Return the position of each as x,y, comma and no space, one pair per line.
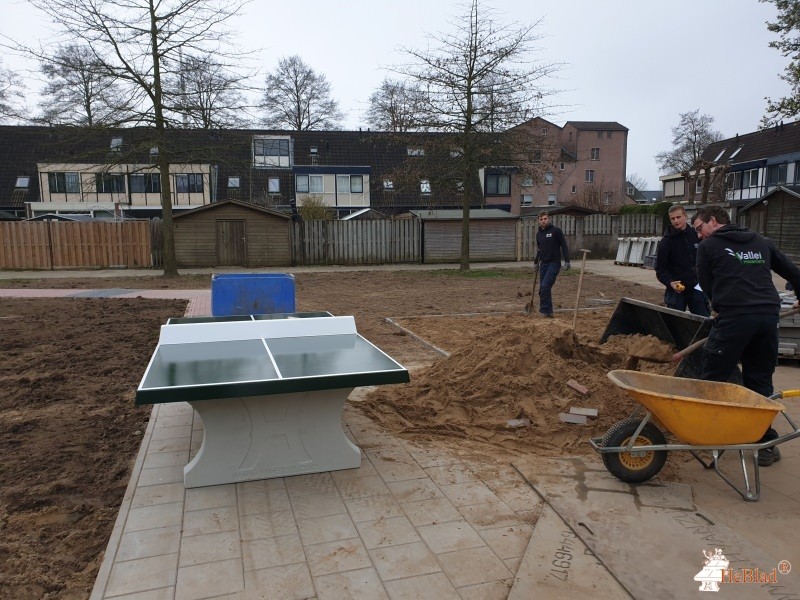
140,45
787,26
298,98
480,82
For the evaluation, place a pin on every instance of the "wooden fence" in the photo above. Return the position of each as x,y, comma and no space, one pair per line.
64,245
374,241
132,244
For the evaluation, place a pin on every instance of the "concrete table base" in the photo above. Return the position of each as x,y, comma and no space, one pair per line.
275,435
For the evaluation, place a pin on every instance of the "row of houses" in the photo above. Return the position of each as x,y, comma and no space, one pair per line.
112,173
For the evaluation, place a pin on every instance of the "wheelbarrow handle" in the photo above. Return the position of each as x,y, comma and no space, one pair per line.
700,343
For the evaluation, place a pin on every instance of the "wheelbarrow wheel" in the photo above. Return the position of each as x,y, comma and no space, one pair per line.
634,467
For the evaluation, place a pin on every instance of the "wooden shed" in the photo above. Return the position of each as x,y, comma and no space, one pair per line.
492,235
776,215
232,233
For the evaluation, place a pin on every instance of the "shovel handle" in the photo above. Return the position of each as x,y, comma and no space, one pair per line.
700,343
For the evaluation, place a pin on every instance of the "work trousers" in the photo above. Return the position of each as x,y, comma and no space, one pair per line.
693,299
547,278
749,338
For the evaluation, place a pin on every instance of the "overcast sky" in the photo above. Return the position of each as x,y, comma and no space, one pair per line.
638,62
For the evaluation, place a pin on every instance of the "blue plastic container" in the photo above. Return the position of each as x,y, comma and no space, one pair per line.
252,294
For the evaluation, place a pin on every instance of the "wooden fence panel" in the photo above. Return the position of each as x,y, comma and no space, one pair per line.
374,241
63,245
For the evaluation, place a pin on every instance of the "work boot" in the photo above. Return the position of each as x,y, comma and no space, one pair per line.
768,456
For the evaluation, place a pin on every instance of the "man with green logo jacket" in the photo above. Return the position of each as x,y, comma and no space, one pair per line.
734,268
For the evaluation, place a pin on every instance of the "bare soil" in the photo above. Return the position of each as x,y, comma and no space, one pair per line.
69,430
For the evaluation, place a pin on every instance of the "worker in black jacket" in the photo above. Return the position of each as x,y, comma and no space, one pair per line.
734,266
675,265
550,246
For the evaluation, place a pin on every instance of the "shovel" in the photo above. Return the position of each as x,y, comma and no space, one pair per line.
529,305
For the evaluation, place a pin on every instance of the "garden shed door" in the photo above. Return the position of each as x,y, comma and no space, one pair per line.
231,243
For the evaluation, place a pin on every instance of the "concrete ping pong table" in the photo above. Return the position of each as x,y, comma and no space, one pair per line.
270,390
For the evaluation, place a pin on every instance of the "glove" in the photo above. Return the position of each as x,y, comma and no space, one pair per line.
567,266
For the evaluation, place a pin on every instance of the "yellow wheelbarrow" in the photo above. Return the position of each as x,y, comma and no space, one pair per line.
707,416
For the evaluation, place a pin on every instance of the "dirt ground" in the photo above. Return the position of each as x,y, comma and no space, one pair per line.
69,430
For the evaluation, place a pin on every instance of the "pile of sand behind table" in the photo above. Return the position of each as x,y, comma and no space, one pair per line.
515,369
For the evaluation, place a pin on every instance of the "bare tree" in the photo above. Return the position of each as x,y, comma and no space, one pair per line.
139,43
637,181
206,95
598,196
11,95
298,98
480,79
395,106
80,90
690,137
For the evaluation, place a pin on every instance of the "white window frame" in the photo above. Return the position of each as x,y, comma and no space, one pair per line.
411,151
548,178
594,154
561,166
526,182
526,200
233,182
274,185
424,186
388,185
589,176
552,198
23,182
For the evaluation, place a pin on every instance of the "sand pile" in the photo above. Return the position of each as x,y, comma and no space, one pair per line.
514,369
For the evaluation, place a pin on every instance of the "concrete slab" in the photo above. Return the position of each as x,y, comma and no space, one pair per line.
653,542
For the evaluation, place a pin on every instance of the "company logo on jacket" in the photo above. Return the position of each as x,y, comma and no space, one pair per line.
748,257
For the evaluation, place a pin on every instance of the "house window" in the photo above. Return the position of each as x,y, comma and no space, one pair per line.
548,178
595,154
145,183
631,190
64,183
415,151
599,135
570,136
551,199
116,144
607,197
574,189
23,181
608,134
698,186
349,184
750,178
189,183
313,150
388,184
721,152
537,156
561,166
425,186
526,200
153,153
233,182
735,152
108,183
498,185
776,174
544,130
527,182
589,175
272,152
456,153
274,185
309,184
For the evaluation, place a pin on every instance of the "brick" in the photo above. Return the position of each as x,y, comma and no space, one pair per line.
581,389
569,418
587,412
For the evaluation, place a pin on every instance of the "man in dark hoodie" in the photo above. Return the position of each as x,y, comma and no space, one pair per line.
675,265
550,245
734,268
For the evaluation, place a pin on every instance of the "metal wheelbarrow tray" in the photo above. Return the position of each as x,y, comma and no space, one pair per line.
703,415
